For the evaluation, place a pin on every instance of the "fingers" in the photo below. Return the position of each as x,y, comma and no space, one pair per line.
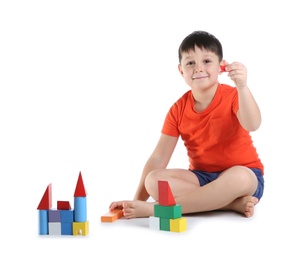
116,205
236,68
224,63
127,211
238,73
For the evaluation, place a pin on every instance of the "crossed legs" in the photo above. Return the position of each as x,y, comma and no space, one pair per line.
232,190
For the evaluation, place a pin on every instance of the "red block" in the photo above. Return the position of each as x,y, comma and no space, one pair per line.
80,190
223,68
63,205
165,195
46,201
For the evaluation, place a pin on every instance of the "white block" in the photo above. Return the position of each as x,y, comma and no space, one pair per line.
54,228
154,223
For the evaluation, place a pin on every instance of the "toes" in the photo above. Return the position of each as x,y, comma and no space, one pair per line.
249,208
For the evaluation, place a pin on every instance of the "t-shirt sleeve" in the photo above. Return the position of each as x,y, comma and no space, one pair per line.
170,126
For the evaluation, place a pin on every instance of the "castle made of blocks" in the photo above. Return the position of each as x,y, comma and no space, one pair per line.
64,220
167,214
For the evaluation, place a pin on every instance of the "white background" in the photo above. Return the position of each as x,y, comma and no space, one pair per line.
85,86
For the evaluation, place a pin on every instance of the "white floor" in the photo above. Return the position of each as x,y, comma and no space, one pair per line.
85,86
272,232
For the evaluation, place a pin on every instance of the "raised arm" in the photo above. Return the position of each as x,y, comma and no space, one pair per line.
249,113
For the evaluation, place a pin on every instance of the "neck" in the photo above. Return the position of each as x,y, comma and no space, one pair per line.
203,98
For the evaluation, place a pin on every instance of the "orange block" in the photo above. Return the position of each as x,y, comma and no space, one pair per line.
112,215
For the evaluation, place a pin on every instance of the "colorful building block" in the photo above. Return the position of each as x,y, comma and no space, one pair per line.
67,215
167,214
63,205
80,228
43,222
54,215
154,223
54,228
178,225
80,190
222,68
80,209
165,195
64,220
46,201
164,224
112,215
67,228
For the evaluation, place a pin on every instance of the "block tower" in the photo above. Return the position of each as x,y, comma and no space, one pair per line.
64,220
167,214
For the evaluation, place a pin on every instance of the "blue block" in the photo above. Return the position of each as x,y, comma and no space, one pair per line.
80,214
67,215
43,222
67,228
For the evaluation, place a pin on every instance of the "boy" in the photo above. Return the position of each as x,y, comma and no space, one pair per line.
214,121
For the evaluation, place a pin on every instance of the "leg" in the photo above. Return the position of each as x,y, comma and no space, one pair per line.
231,191
181,182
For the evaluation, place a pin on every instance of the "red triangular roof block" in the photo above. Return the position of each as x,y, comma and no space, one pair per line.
165,195
80,190
46,201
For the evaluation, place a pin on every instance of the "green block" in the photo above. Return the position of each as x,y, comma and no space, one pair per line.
164,224
169,212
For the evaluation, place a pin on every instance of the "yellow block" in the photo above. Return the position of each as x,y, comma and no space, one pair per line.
178,225
80,228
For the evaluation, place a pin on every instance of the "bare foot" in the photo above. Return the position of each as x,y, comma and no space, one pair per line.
137,209
244,205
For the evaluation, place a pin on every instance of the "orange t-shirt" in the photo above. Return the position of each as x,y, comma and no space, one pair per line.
214,138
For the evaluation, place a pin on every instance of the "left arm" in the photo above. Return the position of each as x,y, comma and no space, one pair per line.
248,114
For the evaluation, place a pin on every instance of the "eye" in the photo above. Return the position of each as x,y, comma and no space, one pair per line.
190,63
207,61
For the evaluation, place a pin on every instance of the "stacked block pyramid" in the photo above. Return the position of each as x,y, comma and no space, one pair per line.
64,220
167,214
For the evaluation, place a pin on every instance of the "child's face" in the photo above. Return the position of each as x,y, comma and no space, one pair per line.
200,68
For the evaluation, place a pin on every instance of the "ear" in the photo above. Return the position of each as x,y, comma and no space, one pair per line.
180,70
223,63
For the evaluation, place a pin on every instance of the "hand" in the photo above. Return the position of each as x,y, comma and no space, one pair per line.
116,205
237,72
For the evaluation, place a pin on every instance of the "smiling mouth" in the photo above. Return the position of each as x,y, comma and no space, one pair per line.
200,77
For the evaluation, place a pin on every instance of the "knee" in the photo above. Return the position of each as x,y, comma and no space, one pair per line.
151,183
244,178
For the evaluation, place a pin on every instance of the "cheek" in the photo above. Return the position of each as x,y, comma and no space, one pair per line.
188,72
214,72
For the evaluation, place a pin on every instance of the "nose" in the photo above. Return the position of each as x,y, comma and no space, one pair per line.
198,67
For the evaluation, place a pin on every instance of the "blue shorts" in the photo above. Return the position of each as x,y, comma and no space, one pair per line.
207,177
